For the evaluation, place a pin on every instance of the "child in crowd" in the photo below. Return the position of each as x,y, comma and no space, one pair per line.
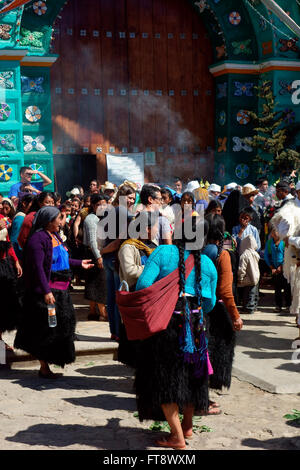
241,231
248,274
274,257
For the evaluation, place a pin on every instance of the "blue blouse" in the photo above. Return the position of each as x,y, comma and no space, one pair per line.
165,259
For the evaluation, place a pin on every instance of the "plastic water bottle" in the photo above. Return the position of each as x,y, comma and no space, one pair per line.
52,321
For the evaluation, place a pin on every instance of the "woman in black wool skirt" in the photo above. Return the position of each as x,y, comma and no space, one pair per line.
224,320
173,365
47,275
10,271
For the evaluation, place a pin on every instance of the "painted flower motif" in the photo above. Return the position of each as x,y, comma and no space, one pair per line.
32,84
242,47
202,5
220,51
5,80
34,144
39,8
222,118
222,90
6,142
267,48
36,167
243,88
234,18
242,171
222,141
33,114
31,38
286,87
6,172
262,24
243,117
289,116
289,45
4,111
241,145
5,31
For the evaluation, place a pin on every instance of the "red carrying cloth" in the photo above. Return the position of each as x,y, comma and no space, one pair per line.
148,311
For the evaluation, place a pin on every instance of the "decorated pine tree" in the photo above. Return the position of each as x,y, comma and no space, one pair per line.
271,134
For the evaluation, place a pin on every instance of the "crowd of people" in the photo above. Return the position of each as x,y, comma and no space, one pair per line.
50,243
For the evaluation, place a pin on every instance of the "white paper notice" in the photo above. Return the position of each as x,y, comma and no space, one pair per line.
128,166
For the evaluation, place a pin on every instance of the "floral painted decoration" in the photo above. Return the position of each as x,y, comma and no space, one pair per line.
234,18
222,118
242,47
6,142
242,171
36,167
4,111
34,144
32,84
286,87
31,38
289,45
243,117
222,141
220,51
241,145
243,88
267,47
289,117
39,8
33,114
262,24
5,80
5,31
202,5
222,90
6,172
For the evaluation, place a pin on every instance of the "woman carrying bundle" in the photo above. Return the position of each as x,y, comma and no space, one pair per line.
173,365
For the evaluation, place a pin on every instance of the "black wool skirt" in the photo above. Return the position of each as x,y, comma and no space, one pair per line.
9,295
95,281
221,344
162,376
53,345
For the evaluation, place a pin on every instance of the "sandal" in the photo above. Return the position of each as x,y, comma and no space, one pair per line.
166,443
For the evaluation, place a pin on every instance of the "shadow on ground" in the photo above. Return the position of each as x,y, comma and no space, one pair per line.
111,436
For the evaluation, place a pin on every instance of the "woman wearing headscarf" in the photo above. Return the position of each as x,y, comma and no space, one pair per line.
47,275
173,366
10,271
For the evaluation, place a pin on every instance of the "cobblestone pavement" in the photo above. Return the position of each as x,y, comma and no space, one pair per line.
91,407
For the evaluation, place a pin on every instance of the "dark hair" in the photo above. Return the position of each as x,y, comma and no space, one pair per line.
146,218
214,204
57,197
40,199
148,190
124,190
191,196
24,168
216,230
176,178
248,211
181,243
95,198
27,198
167,191
260,180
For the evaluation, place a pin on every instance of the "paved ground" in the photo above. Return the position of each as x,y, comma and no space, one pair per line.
92,406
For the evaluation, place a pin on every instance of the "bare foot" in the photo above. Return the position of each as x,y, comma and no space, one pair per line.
172,441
